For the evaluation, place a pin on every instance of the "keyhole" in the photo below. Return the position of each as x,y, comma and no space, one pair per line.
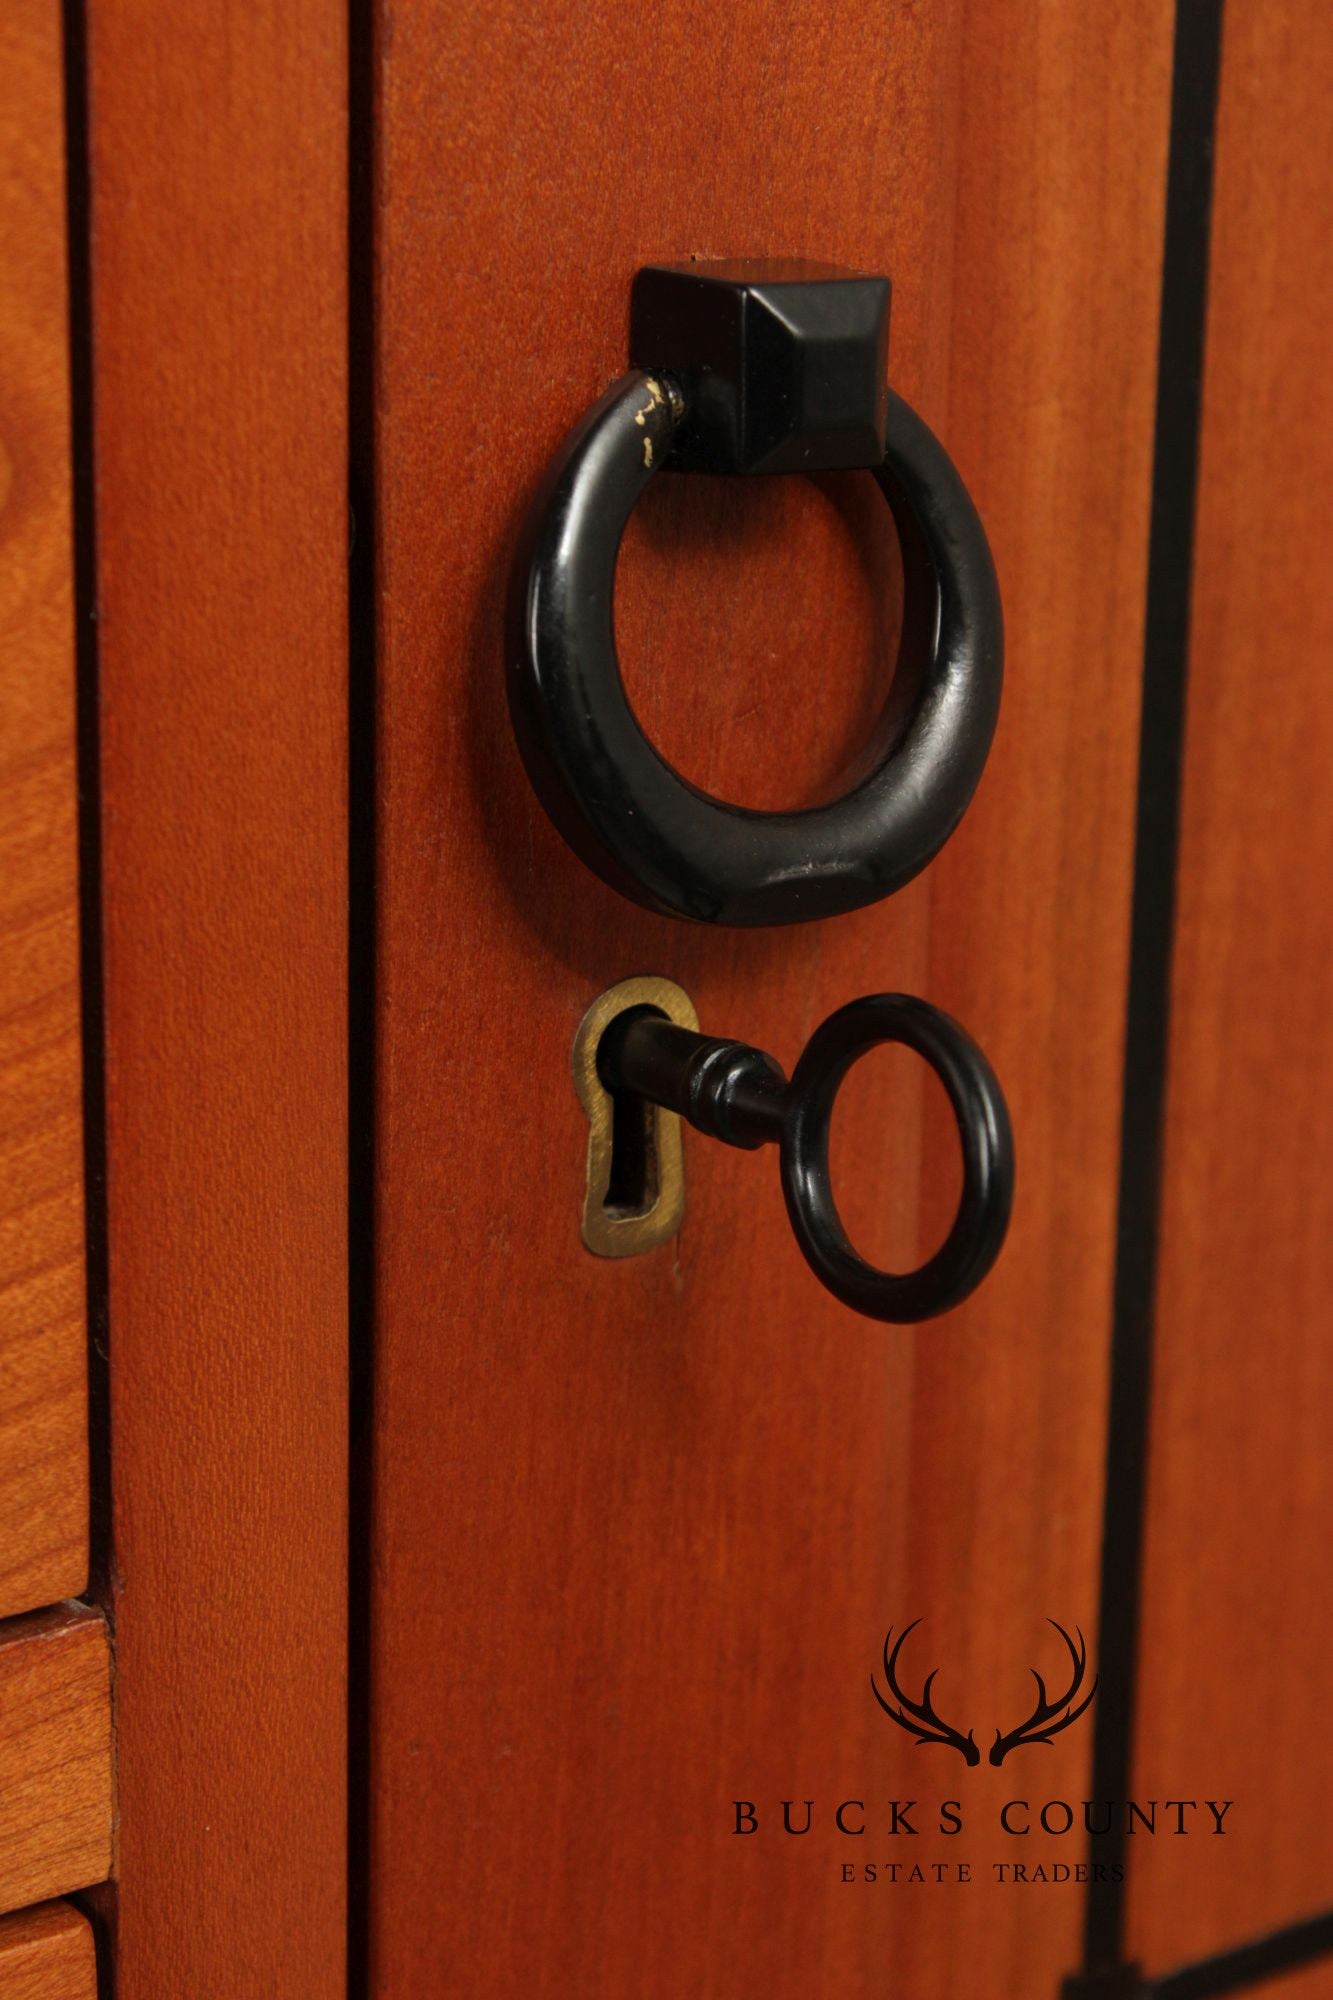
633,1181
632,1184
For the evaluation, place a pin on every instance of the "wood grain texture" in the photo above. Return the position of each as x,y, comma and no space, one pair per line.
1237,1636
55,1754
640,1527
47,1954
43,1358
218,173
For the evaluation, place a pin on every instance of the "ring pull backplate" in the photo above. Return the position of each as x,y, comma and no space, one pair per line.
752,369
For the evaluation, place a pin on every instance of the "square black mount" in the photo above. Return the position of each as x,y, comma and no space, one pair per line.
783,366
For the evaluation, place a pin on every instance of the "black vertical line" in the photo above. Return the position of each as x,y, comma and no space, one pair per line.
78,230
1239,1966
361,976
99,1903
1198,38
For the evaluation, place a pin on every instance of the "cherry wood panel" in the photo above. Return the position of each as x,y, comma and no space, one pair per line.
43,1357
1051,415
47,1954
55,1754
640,1527
1238,1622
218,181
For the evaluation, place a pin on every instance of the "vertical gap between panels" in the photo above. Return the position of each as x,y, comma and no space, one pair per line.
361,975
1198,35
99,1902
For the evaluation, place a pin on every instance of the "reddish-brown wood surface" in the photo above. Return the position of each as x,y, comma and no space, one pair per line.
47,1954
639,1528
218,176
43,1357
1238,1620
56,1811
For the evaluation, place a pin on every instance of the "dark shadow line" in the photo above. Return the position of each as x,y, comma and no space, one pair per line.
1196,60
361,978
1279,1951
89,781
1229,1971
99,1903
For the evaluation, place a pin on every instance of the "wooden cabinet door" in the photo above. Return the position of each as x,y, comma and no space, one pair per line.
585,1702
1235,1619
639,1528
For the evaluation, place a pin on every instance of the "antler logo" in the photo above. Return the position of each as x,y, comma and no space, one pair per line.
920,1719
1048,1718
1046,1721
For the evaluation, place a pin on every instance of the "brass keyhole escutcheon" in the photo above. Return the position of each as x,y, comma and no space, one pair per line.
638,1060
634,1198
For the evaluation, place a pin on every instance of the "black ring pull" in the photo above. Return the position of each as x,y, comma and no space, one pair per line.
740,1095
752,369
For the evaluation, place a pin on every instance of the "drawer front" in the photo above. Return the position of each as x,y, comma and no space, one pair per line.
55,1755
47,1954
